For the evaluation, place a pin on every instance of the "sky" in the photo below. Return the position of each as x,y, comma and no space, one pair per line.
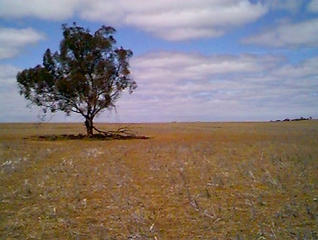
194,60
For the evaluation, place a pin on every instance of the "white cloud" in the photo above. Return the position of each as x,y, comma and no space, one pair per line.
188,87
169,19
43,9
11,104
308,68
174,66
7,79
176,86
289,5
175,20
12,40
313,6
7,72
288,35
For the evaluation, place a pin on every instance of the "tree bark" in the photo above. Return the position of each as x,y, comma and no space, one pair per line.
89,126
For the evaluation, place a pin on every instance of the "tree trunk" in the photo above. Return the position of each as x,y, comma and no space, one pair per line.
89,126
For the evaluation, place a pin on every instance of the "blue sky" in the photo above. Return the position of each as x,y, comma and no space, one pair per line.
194,60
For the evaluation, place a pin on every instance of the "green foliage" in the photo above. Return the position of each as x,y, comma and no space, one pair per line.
86,76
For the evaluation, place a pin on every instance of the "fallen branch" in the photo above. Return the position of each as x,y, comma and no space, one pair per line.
120,133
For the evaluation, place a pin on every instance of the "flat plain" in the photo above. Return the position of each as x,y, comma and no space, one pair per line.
188,181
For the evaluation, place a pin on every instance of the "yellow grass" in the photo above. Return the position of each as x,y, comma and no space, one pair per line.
189,181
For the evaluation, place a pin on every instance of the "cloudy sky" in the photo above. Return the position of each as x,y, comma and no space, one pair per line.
194,60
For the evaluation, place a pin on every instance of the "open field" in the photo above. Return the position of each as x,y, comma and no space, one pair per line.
188,181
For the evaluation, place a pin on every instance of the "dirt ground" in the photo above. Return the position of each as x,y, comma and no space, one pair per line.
187,181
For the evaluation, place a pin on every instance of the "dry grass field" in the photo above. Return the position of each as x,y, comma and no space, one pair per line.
188,181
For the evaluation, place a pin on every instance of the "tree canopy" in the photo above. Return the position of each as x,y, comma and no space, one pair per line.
86,76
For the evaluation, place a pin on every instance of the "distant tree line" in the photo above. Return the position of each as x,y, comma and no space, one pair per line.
295,119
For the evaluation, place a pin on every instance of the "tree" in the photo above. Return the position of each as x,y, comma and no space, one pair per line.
86,76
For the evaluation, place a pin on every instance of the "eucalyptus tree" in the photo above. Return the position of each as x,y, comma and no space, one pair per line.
86,76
